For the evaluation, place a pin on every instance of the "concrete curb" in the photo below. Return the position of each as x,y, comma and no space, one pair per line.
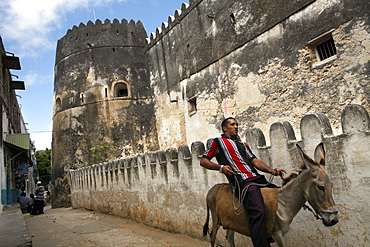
13,229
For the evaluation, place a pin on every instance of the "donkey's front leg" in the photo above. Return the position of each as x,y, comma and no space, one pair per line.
278,236
230,237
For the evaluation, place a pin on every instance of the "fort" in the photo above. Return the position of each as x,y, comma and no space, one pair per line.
273,65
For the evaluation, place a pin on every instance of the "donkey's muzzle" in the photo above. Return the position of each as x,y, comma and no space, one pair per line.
329,218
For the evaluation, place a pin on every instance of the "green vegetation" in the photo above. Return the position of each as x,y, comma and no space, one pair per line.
102,153
44,165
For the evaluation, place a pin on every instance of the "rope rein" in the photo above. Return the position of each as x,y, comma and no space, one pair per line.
316,215
241,194
305,206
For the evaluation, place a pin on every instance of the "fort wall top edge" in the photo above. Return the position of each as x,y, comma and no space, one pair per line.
101,34
99,24
315,128
172,21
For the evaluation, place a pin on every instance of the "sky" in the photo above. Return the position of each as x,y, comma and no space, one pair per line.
31,28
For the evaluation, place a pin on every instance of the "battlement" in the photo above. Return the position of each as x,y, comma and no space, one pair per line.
172,21
99,24
130,187
95,35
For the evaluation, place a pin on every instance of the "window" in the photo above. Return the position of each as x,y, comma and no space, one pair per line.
58,104
121,90
323,47
326,49
192,105
122,93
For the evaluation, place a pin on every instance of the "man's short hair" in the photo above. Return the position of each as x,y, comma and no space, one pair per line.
224,122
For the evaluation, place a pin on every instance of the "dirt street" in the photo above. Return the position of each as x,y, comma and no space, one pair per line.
79,227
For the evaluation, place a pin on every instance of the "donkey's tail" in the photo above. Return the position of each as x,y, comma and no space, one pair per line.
205,227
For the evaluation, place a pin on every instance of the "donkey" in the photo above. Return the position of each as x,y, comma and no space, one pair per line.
312,185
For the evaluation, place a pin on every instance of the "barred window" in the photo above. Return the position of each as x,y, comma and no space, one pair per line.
326,49
323,47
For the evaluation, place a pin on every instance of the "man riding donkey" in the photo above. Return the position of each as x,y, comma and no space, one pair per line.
236,160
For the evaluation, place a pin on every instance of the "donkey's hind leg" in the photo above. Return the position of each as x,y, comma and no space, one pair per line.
213,234
230,237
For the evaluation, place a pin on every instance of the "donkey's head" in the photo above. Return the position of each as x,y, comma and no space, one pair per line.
317,187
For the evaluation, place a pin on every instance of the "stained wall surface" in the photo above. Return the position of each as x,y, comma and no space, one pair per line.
103,103
167,189
256,61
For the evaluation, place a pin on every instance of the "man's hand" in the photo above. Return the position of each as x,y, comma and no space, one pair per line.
278,172
227,170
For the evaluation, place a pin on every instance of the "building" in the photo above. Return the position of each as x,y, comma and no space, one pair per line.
18,170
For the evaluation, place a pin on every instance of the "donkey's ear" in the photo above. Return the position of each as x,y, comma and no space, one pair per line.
320,154
309,163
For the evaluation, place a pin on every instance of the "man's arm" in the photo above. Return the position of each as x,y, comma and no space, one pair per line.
206,163
260,165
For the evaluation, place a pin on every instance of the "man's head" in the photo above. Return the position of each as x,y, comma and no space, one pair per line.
38,183
230,127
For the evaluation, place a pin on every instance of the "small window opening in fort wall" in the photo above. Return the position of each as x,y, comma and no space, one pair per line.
121,90
82,98
192,105
323,48
58,104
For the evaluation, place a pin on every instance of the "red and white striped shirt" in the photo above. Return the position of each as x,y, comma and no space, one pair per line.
234,153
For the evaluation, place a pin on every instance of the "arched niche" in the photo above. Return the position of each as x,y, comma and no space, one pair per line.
121,89
58,104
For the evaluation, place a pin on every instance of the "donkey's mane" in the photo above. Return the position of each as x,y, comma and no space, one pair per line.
294,175
289,178
302,167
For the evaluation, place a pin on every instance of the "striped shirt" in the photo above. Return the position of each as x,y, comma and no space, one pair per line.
39,193
234,153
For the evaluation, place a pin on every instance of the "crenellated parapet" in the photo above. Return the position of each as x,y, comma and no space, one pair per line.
167,189
172,21
101,34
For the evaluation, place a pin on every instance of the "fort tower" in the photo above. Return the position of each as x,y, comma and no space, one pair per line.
101,98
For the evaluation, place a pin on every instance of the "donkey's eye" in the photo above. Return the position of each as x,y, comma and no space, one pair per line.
322,188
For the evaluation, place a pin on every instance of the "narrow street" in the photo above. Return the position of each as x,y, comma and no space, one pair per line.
79,227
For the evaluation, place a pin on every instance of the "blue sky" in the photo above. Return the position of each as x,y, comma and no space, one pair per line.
31,29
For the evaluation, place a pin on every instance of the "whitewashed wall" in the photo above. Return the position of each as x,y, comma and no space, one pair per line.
167,189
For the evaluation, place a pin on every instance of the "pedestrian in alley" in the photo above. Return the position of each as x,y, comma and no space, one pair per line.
38,206
23,202
30,203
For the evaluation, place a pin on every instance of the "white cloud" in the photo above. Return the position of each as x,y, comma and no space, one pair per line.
33,78
29,23
42,140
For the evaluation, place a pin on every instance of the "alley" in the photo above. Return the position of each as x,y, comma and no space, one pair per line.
79,227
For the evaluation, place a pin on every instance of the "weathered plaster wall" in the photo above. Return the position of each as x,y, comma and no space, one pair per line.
167,189
93,63
252,60
247,59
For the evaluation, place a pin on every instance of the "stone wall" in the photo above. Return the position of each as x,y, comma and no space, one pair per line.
253,60
167,189
103,99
